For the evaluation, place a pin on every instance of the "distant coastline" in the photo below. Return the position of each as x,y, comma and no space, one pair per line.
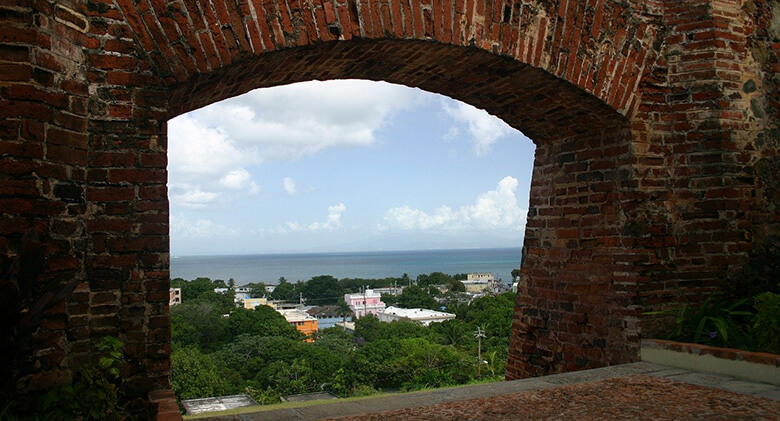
269,267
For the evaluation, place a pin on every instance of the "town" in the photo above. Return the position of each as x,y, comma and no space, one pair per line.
308,319
263,344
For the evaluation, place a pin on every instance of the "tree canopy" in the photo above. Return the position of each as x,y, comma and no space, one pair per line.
416,297
217,352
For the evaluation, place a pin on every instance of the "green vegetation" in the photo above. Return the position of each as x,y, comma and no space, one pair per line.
723,323
746,315
256,351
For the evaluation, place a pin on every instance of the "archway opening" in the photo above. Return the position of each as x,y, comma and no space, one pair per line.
571,312
425,197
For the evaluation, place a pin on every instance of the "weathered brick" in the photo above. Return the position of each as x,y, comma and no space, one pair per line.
648,121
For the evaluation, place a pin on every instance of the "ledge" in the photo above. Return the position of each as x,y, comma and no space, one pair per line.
167,408
756,366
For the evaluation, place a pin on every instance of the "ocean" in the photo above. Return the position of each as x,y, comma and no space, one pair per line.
268,268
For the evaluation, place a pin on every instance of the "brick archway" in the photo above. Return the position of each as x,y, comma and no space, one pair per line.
646,177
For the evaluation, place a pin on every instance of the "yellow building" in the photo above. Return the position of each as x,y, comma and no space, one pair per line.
479,282
302,321
251,303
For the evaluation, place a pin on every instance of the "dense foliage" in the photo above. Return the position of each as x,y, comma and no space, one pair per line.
259,352
746,315
753,325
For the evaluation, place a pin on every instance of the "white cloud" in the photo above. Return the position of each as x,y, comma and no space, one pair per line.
285,123
201,228
236,179
495,210
332,222
484,129
289,185
211,149
205,165
193,197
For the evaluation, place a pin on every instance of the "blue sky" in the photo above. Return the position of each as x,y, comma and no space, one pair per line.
344,165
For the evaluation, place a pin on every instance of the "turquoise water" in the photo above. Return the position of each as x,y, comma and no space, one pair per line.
268,268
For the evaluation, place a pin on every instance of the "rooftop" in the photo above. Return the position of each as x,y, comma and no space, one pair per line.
416,313
221,403
296,315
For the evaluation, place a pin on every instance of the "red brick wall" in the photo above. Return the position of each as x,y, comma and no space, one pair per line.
652,174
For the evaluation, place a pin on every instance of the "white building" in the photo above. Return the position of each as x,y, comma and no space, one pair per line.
174,296
242,293
420,315
389,290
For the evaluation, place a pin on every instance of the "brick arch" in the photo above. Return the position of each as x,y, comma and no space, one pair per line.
645,180
602,47
539,104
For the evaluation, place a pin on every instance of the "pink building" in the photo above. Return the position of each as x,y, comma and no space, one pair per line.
364,303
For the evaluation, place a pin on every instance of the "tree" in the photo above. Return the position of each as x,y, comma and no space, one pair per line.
452,332
343,309
223,302
435,278
368,327
250,355
457,286
195,375
411,363
515,274
198,323
284,291
416,297
191,290
322,290
335,340
260,321
256,289
493,313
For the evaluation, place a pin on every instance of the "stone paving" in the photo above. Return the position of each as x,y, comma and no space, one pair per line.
633,391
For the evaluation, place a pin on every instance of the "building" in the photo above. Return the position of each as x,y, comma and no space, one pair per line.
367,302
389,290
302,321
420,315
327,316
479,282
251,303
484,276
242,293
286,305
174,296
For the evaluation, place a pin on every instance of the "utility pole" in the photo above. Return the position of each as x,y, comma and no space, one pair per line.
365,306
479,334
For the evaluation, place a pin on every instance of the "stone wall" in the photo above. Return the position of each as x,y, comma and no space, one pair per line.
655,124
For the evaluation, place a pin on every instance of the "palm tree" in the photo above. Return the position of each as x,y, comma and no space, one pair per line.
454,332
343,310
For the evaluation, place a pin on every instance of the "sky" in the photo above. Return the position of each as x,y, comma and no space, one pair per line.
344,165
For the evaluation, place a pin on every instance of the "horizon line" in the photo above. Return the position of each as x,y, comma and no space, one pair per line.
339,252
